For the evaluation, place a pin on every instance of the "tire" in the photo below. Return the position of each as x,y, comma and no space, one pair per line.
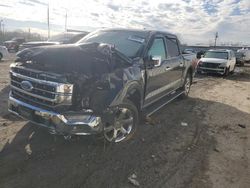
227,71
198,72
187,85
233,70
1,56
127,112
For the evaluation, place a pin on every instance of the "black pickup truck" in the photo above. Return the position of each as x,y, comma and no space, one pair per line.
102,84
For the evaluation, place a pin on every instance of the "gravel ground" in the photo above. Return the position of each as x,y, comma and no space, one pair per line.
211,148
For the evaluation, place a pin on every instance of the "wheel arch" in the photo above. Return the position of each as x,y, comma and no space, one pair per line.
189,70
133,91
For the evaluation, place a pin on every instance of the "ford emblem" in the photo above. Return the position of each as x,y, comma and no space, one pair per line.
26,85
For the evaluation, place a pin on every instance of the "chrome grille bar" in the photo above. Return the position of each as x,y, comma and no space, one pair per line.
44,92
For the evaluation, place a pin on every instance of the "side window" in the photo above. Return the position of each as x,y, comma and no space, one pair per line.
158,48
172,46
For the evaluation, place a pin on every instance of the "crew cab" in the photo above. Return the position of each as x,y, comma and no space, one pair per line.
102,84
217,61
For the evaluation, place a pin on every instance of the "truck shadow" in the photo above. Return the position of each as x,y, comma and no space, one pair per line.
34,158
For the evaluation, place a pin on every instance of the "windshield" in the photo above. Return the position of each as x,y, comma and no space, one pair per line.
127,42
218,55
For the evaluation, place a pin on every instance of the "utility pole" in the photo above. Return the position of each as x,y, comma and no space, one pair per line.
216,37
48,23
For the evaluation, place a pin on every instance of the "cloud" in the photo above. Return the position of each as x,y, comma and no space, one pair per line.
195,21
8,6
39,2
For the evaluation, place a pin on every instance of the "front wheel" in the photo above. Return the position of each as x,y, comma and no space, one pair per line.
124,125
233,70
227,71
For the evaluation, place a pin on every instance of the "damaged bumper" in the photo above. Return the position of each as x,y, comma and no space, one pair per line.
64,124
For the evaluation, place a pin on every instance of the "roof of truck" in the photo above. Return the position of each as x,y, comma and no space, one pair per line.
139,30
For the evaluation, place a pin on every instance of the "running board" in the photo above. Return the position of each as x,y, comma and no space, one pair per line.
148,111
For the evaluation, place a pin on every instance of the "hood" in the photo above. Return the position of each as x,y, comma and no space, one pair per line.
91,59
213,60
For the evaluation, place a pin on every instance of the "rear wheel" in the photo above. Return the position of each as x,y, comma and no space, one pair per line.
1,56
125,123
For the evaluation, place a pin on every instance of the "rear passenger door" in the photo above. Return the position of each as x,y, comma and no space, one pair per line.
175,62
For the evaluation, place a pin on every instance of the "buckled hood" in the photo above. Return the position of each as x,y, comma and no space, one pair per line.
89,59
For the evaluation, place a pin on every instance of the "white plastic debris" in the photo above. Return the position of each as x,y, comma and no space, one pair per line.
184,124
132,180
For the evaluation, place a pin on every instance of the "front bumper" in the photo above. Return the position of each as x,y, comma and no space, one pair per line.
220,70
55,122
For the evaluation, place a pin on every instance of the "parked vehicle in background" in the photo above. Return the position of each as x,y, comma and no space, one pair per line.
13,44
63,38
200,54
246,53
240,58
217,61
191,56
189,51
116,75
4,54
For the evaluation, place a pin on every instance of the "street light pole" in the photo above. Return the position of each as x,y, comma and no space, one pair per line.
216,37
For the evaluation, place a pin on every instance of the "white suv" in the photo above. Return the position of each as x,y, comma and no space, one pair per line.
217,61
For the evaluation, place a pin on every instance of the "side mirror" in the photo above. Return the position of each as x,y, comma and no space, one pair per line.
156,61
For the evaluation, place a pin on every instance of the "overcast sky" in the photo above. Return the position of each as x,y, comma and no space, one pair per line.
195,21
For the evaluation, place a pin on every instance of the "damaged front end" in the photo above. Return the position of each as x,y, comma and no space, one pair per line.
67,88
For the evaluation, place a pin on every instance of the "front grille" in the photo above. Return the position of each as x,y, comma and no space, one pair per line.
38,75
210,65
44,93
32,100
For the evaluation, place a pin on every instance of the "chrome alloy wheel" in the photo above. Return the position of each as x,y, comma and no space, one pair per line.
122,127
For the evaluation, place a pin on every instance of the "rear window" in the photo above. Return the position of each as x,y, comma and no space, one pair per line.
172,46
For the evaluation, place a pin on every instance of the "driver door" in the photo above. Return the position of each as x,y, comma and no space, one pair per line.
157,81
